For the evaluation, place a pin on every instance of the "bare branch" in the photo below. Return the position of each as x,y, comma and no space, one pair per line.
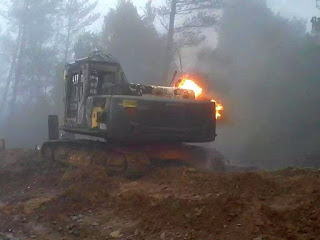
163,24
192,26
189,10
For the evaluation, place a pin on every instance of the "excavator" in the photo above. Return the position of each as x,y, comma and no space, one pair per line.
123,126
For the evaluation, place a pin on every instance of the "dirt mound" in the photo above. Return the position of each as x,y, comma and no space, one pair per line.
13,157
50,201
90,185
232,206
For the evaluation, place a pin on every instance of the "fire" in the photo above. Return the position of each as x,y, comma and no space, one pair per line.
219,108
189,84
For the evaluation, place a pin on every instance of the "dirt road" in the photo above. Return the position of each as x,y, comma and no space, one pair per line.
41,200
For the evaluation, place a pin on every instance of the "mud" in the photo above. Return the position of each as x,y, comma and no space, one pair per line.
47,200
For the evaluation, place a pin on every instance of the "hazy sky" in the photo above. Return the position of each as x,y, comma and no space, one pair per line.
289,8
298,8
112,3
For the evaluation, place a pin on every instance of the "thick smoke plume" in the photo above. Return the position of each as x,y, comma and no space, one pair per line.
266,68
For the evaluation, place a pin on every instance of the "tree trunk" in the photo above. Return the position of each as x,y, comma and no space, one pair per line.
17,72
66,55
11,72
168,56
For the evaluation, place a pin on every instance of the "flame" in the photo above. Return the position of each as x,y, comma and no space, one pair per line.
189,84
219,108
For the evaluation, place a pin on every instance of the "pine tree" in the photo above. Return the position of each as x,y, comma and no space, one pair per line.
31,23
134,42
86,43
193,16
76,15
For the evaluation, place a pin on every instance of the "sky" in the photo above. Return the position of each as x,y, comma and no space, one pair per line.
105,4
299,8
288,8
304,9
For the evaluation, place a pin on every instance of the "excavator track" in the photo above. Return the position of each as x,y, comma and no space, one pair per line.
131,161
118,161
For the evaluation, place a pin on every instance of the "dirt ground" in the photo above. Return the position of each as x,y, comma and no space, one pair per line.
42,200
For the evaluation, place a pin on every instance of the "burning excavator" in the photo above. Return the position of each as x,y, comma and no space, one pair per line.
137,124
188,82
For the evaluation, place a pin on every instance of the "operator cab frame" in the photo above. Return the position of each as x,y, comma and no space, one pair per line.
97,75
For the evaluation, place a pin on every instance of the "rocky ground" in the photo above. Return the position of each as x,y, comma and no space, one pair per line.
42,200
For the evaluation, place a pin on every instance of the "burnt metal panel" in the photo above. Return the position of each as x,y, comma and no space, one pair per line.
158,119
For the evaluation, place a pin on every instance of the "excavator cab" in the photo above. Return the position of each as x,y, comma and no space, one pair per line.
87,78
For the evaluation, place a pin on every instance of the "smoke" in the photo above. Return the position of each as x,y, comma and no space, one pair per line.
265,70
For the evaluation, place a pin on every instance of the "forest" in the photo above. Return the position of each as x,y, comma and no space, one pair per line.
264,67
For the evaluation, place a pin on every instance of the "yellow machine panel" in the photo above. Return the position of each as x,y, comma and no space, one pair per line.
129,103
95,115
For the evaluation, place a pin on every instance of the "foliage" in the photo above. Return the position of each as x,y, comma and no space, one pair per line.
191,17
75,16
86,43
34,57
150,14
185,21
33,53
134,42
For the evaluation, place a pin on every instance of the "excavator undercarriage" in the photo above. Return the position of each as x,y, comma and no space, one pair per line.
131,160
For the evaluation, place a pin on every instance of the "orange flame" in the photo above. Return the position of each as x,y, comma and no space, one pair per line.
189,84
219,108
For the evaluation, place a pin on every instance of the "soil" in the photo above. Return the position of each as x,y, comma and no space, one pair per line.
48,200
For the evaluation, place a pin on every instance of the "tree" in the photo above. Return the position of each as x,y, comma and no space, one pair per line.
75,16
134,42
32,58
17,11
150,14
9,59
21,44
194,15
36,57
86,43
37,42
